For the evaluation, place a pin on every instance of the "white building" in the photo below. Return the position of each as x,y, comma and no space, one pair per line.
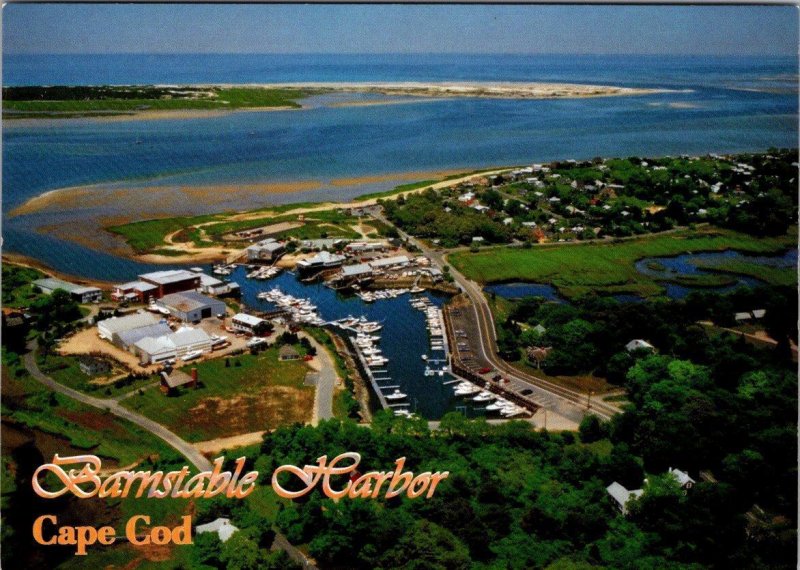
245,323
77,292
172,346
110,329
621,496
638,344
222,527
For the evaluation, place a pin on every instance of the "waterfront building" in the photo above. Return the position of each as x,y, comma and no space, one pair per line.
191,306
389,262
246,323
79,293
134,291
265,251
171,281
320,262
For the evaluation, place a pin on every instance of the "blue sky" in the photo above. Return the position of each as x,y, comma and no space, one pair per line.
84,28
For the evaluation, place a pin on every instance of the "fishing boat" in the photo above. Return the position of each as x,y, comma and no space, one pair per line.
396,395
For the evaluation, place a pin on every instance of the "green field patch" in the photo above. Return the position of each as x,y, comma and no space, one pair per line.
257,394
774,275
606,267
148,235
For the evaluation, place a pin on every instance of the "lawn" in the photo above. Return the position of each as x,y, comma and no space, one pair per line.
260,393
608,267
147,235
42,100
66,370
17,288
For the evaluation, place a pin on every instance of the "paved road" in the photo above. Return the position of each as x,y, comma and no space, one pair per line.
326,381
563,401
183,447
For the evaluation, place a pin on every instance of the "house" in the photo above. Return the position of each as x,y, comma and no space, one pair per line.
77,292
508,221
539,329
171,281
111,328
171,380
481,208
759,313
682,478
92,366
466,197
477,239
639,344
620,495
739,317
246,323
134,291
213,286
191,306
320,262
538,354
265,251
288,352
221,526
172,346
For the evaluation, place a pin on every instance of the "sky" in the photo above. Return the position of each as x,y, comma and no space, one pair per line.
490,29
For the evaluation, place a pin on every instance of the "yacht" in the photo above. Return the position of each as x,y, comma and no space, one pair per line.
396,395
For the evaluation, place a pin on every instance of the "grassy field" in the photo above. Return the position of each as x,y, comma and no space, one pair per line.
607,267
260,393
148,235
65,369
17,288
776,275
49,102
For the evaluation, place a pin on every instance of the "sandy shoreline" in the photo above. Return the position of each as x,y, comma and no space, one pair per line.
26,261
488,89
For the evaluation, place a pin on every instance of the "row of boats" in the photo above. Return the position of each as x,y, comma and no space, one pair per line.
495,403
367,345
359,324
223,269
264,272
301,310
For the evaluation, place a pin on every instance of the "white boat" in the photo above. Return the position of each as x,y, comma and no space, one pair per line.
483,397
424,357
403,413
498,405
428,371
396,395
192,355
416,290
256,341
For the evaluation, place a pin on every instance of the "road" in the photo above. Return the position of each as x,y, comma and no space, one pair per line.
558,399
113,406
326,381
184,448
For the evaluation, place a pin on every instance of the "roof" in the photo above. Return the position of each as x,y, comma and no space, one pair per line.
759,313
132,336
386,261
80,290
137,285
209,281
52,283
622,495
186,336
187,301
681,476
168,276
221,526
287,350
267,244
245,319
176,378
322,257
357,269
128,322
638,343
154,346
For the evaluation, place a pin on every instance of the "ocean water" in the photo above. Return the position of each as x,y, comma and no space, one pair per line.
720,105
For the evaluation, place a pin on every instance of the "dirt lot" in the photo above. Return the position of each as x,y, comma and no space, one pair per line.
87,342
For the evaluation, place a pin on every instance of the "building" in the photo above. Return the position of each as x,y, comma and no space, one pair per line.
364,246
128,338
682,478
390,262
134,291
213,286
110,329
265,251
191,306
172,346
173,379
639,344
77,292
246,323
620,495
92,366
171,281
357,271
288,352
222,527
320,262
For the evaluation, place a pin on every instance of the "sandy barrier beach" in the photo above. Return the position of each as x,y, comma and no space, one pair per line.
485,90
